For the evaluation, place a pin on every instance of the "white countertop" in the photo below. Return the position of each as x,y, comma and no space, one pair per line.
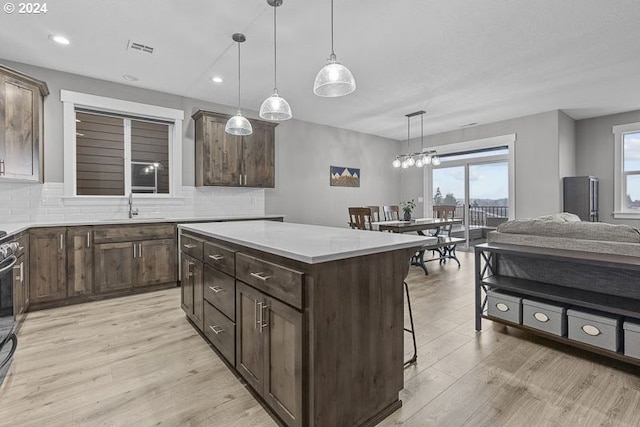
307,243
16,227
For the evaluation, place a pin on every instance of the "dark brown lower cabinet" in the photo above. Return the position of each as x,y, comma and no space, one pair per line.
113,266
192,295
79,261
269,350
47,264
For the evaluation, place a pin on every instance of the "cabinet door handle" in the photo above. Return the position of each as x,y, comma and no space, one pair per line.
2,170
189,272
140,250
263,324
255,314
216,289
88,239
189,246
260,276
216,331
22,272
61,241
134,250
216,257
240,179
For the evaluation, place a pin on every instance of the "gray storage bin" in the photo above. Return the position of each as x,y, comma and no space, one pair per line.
597,329
546,317
504,306
632,338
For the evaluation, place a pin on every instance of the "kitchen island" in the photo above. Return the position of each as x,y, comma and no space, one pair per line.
310,317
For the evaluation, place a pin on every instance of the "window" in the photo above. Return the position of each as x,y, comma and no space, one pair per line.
113,147
627,170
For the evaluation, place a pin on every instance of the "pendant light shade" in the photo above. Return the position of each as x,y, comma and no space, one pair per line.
334,79
275,107
238,124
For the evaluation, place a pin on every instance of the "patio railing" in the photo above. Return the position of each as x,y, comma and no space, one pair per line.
484,216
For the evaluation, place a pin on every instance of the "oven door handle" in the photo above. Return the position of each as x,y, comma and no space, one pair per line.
12,262
13,338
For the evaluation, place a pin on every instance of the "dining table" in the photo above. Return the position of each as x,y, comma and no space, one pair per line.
444,245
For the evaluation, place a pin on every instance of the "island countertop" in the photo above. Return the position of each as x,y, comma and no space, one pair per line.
310,244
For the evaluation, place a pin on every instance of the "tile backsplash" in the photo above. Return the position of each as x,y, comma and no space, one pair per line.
46,203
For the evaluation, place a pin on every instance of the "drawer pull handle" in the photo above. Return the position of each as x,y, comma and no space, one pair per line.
591,330
189,246
502,307
541,317
260,276
216,289
216,257
215,330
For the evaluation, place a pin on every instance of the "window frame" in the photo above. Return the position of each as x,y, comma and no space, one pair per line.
619,174
72,100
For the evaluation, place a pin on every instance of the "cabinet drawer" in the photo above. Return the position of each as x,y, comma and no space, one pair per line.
128,233
220,257
221,332
191,245
275,280
220,291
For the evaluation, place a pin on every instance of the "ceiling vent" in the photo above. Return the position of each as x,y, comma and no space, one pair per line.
139,47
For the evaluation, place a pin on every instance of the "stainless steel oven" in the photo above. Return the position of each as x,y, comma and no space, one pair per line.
8,339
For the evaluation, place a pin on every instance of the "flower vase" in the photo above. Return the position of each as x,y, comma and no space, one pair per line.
407,216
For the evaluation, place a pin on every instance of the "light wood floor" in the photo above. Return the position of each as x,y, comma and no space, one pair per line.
136,361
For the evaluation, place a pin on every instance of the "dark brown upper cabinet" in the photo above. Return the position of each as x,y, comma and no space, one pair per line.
233,161
21,128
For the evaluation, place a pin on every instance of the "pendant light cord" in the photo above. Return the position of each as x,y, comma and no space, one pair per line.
238,75
332,52
421,133
275,52
408,133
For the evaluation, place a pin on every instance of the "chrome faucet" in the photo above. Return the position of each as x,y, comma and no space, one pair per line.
132,211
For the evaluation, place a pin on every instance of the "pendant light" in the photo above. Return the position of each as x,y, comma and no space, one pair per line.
421,158
334,79
275,107
238,124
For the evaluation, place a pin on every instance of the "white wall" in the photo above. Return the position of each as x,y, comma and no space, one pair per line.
566,148
594,156
304,152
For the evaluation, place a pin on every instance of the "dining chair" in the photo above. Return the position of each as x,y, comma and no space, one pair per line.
449,244
360,218
375,213
391,212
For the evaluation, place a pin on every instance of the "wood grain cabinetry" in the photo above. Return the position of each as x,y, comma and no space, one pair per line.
134,256
21,125
293,322
79,261
228,160
269,351
192,292
47,264
75,264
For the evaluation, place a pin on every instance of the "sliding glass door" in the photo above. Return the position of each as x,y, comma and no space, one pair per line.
477,183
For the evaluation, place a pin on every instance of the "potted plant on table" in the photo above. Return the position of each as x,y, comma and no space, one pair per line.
407,208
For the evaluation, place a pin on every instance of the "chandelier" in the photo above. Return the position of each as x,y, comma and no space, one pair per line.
421,158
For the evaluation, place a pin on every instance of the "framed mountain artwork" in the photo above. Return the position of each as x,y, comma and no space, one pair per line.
340,176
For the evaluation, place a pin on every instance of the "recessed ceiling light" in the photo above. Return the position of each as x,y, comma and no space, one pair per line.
59,39
130,77
216,79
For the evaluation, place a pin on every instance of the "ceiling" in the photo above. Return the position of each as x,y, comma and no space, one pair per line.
462,61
